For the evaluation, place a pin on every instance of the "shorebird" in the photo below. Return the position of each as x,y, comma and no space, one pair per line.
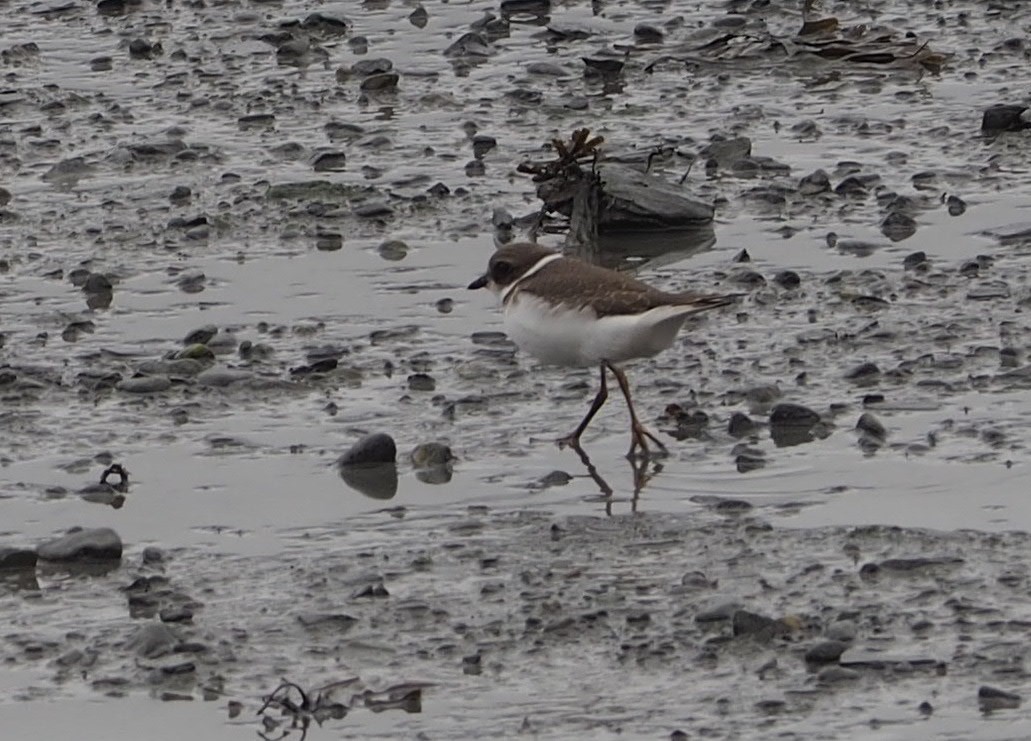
568,312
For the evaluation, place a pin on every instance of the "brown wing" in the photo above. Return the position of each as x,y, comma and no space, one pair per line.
611,293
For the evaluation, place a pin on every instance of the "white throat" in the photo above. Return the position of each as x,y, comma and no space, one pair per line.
536,268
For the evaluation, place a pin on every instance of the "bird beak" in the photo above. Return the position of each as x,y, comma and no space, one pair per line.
480,282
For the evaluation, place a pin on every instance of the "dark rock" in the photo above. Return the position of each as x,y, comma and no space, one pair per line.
469,44
12,559
825,652
792,424
382,81
377,447
741,425
1004,117
956,206
788,414
815,182
745,623
787,279
898,226
868,424
748,458
914,260
992,698
646,33
429,455
864,372
97,544
97,283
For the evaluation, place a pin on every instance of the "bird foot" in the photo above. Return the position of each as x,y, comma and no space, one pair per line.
569,441
639,437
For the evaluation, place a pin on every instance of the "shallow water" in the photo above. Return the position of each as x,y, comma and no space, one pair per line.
237,486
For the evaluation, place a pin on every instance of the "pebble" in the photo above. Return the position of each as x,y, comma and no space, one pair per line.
825,652
870,425
992,698
741,425
377,447
78,544
429,455
794,415
746,623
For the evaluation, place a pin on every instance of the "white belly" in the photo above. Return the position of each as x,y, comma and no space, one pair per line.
562,336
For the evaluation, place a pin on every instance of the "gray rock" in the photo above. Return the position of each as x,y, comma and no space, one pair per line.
378,447
634,200
96,544
17,558
825,652
842,630
1005,117
428,455
746,623
992,698
222,377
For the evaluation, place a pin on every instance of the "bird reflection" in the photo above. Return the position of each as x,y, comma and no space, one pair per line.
643,469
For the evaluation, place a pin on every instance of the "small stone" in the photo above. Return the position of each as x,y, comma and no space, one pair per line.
870,425
377,447
153,554
382,81
393,250
787,279
841,630
428,455
97,283
1004,117
741,425
745,623
914,259
816,182
788,414
201,335
825,652
863,372
97,544
992,698
898,226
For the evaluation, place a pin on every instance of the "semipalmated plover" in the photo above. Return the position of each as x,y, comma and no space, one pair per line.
569,312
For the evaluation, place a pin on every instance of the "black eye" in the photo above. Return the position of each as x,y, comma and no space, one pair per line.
501,272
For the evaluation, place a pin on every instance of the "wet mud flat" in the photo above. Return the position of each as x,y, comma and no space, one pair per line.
234,238
718,625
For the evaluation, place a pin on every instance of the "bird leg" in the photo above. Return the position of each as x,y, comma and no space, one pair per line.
638,433
573,439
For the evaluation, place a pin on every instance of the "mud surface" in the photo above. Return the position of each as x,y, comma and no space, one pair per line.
232,242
